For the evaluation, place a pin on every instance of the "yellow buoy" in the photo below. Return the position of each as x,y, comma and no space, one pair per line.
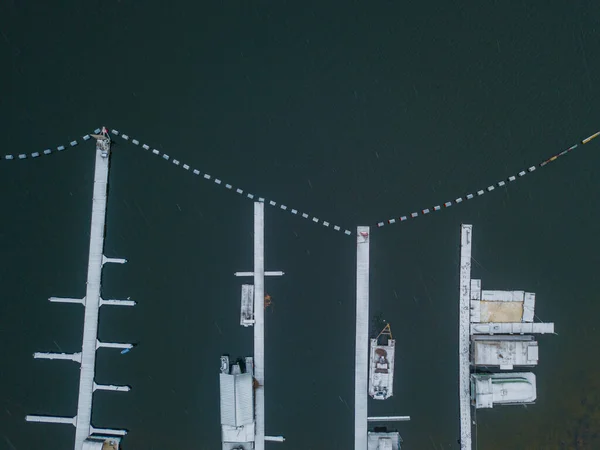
588,139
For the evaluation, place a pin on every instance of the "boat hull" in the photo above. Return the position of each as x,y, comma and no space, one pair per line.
381,370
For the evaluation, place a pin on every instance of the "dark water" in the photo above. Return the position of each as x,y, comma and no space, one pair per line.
355,113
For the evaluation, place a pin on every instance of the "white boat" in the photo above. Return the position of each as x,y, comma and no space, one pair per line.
102,443
381,366
383,440
504,352
103,142
492,389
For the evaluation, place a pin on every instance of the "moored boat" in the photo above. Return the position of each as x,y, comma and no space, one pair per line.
381,365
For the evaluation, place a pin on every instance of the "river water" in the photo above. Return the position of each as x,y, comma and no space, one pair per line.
354,113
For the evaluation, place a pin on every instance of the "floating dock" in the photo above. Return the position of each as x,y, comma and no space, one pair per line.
363,438
237,404
256,318
87,436
259,321
492,327
504,312
361,367
463,337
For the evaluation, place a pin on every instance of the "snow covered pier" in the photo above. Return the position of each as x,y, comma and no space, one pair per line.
363,438
85,433
258,321
492,334
464,337
361,363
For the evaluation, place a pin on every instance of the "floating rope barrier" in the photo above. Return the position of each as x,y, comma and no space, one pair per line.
490,188
47,151
293,211
228,186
